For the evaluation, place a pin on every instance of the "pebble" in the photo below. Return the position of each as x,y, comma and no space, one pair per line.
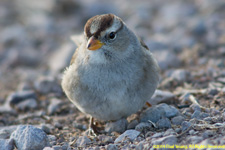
195,107
82,141
185,125
129,134
208,133
177,120
79,126
167,140
163,123
18,97
161,96
48,148
196,115
5,132
118,126
45,85
47,128
112,147
28,104
28,137
157,112
143,127
54,106
6,144
132,124
194,139
169,132
105,139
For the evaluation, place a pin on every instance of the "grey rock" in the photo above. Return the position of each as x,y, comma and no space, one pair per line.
143,126
6,144
177,120
157,112
82,141
48,148
5,132
157,135
170,111
117,126
208,133
105,139
57,147
132,124
185,125
194,139
20,96
54,106
167,59
163,123
213,92
129,134
46,85
170,140
153,113
196,114
204,115
140,146
195,107
46,128
79,126
28,137
112,147
160,97
27,104
169,132
180,75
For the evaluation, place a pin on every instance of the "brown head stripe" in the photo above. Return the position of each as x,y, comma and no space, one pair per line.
105,22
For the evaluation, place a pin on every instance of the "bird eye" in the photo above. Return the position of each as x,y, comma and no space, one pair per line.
112,35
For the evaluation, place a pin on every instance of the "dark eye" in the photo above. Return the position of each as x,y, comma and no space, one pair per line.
112,35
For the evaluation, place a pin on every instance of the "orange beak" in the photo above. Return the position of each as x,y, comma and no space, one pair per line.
94,44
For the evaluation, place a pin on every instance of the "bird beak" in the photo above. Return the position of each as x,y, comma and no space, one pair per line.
94,44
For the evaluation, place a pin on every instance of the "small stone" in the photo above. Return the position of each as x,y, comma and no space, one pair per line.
57,147
192,132
54,106
163,123
153,114
129,134
204,115
117,126
208,133
79,126
170,111
27,104
143,127
177,120
46,128
185,125
157,135
5,132
132,124
196,114
194,139
169,132
111,147
195,107
20,96
213,92
6,144
105,139
48,148
161,97
82,141
28,137
167,140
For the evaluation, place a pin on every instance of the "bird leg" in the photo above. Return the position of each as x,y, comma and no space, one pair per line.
92,127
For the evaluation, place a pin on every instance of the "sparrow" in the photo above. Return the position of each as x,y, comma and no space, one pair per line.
112,73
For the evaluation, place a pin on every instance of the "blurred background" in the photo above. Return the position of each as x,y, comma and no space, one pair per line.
35,36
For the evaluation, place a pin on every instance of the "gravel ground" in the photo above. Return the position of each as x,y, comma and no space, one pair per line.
188,108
